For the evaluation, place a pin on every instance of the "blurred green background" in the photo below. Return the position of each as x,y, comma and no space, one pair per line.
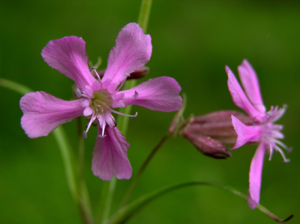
192,41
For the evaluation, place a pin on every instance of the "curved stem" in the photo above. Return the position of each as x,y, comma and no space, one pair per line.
80,150
108,199
125,213
67,156
84,202
122,120
141,170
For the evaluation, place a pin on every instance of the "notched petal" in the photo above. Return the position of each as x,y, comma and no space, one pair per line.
110,155
44,112
68,56
160,94
133,50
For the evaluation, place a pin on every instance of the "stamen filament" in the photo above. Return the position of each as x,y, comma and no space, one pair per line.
121,85
94,68
84,134
127,115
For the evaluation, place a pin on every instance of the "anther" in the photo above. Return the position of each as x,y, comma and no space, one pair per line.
135,94
84,134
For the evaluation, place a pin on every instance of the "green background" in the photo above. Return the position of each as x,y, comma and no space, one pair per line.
192,42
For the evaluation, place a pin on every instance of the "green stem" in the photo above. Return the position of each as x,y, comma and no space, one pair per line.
84,202
68,159
125,213
143,22
67,156
19,88
80,154
108,200
144,14
141,170
122,121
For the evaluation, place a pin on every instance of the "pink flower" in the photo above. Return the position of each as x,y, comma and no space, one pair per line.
263,130
97,98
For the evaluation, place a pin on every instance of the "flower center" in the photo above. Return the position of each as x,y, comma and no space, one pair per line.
102,101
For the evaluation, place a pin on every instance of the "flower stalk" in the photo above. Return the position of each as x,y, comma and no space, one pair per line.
122,120
141,170
68,159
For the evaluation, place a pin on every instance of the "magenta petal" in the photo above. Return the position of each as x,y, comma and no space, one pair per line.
238,96
251,85
132,50
110,155
68,56
44,112
255,176
245,133
160,94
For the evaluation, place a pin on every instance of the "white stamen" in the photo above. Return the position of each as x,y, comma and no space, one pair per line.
103,129
285,160
94,68
280,143
127,115
88,126
271,152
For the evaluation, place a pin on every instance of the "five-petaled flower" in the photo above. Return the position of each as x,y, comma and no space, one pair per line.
263,130
97,97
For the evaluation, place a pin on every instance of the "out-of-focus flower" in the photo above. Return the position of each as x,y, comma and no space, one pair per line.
98,97
262,131
209,133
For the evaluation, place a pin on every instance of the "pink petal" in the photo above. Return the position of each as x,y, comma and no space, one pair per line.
160,94
132,50
245,133
255,176
251,85
238,96
110,155
44,112
68,56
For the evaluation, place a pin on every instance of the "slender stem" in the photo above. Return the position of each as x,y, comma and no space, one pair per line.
80,153
19,88
108,200
84,203
122,121
67,156
128,211
143,22
141,170
144,14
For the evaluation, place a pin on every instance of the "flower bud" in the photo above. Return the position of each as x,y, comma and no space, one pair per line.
209,132
137,74
207,145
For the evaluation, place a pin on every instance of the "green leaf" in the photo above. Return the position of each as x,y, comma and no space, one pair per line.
125,213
